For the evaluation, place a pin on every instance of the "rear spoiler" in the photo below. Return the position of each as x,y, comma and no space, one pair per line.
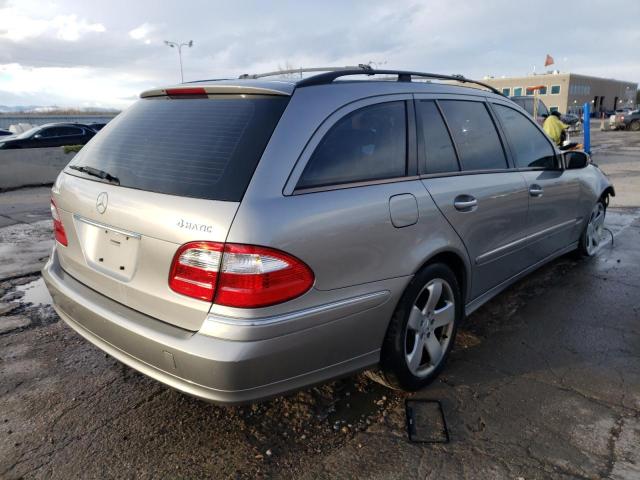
190,90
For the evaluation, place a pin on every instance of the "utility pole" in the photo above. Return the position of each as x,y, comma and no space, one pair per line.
179,47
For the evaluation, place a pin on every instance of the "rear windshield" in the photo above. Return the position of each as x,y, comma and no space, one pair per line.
192,147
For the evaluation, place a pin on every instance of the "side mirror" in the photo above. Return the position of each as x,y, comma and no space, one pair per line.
576,159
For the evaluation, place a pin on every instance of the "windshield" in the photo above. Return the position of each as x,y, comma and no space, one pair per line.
28,133
194,147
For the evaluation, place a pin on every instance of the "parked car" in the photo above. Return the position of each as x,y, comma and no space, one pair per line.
527,102
626,121
290,232
570,119
4,133
50,135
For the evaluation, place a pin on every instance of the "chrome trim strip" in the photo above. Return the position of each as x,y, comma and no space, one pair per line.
108,227
297,315
521,243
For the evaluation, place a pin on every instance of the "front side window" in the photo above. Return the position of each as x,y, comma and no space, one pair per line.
367,144
439,153
474,134
542,109
48,132
530,147
68,131
555,89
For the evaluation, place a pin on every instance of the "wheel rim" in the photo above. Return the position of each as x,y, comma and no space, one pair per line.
594,229
430,327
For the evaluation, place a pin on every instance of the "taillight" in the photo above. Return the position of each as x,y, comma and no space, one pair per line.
242,276
253,277
194,271
58,229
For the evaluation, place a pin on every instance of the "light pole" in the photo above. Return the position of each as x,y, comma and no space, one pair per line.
179,47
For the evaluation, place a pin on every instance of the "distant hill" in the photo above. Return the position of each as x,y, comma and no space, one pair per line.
55,110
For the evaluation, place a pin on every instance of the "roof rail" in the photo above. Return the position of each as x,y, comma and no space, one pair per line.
300,70
403,76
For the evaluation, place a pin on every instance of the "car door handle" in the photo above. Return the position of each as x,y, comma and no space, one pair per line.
465,203
535,190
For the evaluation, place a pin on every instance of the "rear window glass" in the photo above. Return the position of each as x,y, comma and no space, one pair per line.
196,147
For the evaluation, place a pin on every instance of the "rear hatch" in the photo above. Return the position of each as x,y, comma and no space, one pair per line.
174,169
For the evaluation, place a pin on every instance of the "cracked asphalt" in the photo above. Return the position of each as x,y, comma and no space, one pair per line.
544,382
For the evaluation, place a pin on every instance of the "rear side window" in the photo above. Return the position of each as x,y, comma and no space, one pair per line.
194,147
475,135
530,147
368,144
440,156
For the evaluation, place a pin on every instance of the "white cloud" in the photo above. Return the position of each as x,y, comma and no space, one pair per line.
86,86
65,43
70,28
142,33
18,27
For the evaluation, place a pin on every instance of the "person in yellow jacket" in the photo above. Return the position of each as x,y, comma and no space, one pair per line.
554,127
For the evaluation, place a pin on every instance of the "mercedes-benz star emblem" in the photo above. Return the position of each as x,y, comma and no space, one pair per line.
101,202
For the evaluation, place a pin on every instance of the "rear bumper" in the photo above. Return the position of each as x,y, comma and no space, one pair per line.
216,369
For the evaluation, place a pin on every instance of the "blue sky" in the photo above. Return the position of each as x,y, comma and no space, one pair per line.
90,53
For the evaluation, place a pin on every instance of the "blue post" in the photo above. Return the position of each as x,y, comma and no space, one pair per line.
586,122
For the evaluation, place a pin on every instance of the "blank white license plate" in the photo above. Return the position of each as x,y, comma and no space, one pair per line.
109,250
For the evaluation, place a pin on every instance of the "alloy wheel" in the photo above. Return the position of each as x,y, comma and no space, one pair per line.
594,229
430,327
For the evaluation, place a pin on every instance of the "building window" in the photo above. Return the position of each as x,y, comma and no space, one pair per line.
517,92
553,109
506,92
543,91
529,92
580,89
555,89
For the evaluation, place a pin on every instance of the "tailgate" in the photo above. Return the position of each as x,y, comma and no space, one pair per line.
164,172
125,253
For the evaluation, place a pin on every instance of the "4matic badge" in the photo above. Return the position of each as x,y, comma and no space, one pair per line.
199,227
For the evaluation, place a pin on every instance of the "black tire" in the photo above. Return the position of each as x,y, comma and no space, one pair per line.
395,371
584,247
635,126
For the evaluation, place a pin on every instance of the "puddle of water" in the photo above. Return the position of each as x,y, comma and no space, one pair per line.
618,221
35,293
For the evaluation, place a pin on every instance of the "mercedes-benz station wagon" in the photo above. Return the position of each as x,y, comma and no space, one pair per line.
242,238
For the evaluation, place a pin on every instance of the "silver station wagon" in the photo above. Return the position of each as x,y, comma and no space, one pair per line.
237,239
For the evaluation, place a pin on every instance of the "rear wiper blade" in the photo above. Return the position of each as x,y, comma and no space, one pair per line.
96,172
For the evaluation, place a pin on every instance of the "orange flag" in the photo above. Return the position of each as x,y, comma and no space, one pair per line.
548,61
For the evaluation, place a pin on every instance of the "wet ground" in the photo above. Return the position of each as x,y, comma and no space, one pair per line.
544,382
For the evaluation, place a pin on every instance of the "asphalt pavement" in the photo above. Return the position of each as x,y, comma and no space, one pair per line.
544,382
